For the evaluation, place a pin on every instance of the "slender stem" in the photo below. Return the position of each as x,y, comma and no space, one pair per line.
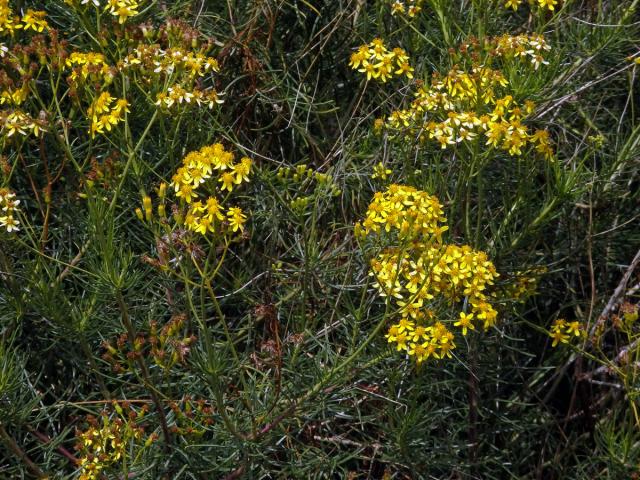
92,363
12,445
213,379
230,342
318,386
132,154
126,320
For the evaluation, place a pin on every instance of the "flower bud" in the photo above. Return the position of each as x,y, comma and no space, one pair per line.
148,209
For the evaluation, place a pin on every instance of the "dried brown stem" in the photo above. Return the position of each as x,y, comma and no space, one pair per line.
13,446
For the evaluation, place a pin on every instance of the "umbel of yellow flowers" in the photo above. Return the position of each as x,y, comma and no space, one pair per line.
419,273
210,168
465,105
377,62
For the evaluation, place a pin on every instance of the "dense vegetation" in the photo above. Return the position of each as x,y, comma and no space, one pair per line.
319,238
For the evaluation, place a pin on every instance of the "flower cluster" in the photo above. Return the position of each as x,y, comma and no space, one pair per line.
209,163
182,68
152,58
409,7
562,331
16,121
524,284
509,47
549,5
381,172
31,20
123,9
14,96
22,63
90,65
377,62
190,417
177,95
105,115
165,347
308,185
466,105
34,20
8,209
106,441
413,214
470,104
420,272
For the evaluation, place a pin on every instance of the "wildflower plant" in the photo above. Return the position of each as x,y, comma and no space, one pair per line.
378,63
424,276
302,186
540,5
183,293
9,210
107,440
410,8
123,10
215,168
465,106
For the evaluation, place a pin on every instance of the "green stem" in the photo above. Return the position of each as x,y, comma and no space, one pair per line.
92,363
132,154
126,320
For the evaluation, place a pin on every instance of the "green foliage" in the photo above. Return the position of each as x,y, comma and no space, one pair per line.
258,349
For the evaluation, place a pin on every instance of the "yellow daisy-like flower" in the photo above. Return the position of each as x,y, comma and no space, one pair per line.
513,4
236,219
227,179
381,172
34,20
548,4
465,322
123,9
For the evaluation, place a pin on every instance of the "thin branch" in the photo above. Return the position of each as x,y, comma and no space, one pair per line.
618,293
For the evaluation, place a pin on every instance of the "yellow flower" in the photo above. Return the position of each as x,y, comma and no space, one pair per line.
186,192
419,351
420,333
103,116
392,334
401,341
574,328
380,171
549,4
203,225
377,62
227,179
213,209
558,336
242,170
397,7
236,219
404,69
513,4
465,322
405,325
357,58
445,349
34,20
123,9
